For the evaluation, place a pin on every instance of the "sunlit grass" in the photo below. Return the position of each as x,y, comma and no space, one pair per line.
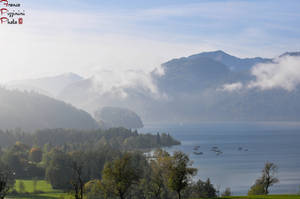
43,190
265,197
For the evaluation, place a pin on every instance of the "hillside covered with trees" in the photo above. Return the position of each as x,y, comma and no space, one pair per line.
119,117
30,111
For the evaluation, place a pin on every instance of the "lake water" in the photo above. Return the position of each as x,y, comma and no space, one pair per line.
238,169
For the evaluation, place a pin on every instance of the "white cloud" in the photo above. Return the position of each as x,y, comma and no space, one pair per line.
283,73
232,87
50,43
106,81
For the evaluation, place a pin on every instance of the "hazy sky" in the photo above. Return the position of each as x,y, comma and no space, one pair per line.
92,36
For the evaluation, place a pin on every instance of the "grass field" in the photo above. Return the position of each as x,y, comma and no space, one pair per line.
43,191
265,197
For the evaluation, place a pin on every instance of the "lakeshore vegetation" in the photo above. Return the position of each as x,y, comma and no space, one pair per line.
106,164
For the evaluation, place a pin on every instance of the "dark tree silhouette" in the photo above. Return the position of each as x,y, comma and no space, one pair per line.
77,181
5,181
268,176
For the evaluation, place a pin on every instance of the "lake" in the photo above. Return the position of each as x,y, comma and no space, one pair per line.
245,146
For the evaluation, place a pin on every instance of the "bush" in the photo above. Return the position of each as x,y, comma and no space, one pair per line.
257,189
203,190
227,192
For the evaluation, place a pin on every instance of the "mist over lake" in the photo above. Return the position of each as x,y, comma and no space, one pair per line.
238,168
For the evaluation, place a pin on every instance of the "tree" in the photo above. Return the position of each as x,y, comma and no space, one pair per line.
227,192
36,154
58,171
209,188
34,184
203,189
78,178
15,163
118,176
267,180
93,190
268,176
6,180
4,188
159,168
158,139
21,187
77,181
180,173
257,188
156,180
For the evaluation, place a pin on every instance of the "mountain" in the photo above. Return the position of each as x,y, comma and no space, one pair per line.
194,88
191,89
30,111
70,93
290,54
50,86
205,70
119,117
190,74
234,63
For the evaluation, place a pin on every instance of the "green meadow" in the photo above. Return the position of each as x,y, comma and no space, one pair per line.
43,190
265,197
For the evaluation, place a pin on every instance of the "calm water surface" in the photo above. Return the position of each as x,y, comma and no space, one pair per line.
238,169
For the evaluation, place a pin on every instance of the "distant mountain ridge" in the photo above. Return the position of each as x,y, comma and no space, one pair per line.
234,63
204,99
205,70
290,54
192,91
48,85
191,73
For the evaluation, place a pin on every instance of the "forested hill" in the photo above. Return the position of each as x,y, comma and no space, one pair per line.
31,111
119,117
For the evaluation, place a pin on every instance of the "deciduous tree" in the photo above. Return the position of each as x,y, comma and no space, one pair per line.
118,176
267,179
268,176
180,172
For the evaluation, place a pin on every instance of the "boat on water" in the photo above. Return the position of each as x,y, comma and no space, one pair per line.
196,148
198,153
215,149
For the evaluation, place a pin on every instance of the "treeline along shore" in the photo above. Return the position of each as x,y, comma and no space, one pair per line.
106,164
